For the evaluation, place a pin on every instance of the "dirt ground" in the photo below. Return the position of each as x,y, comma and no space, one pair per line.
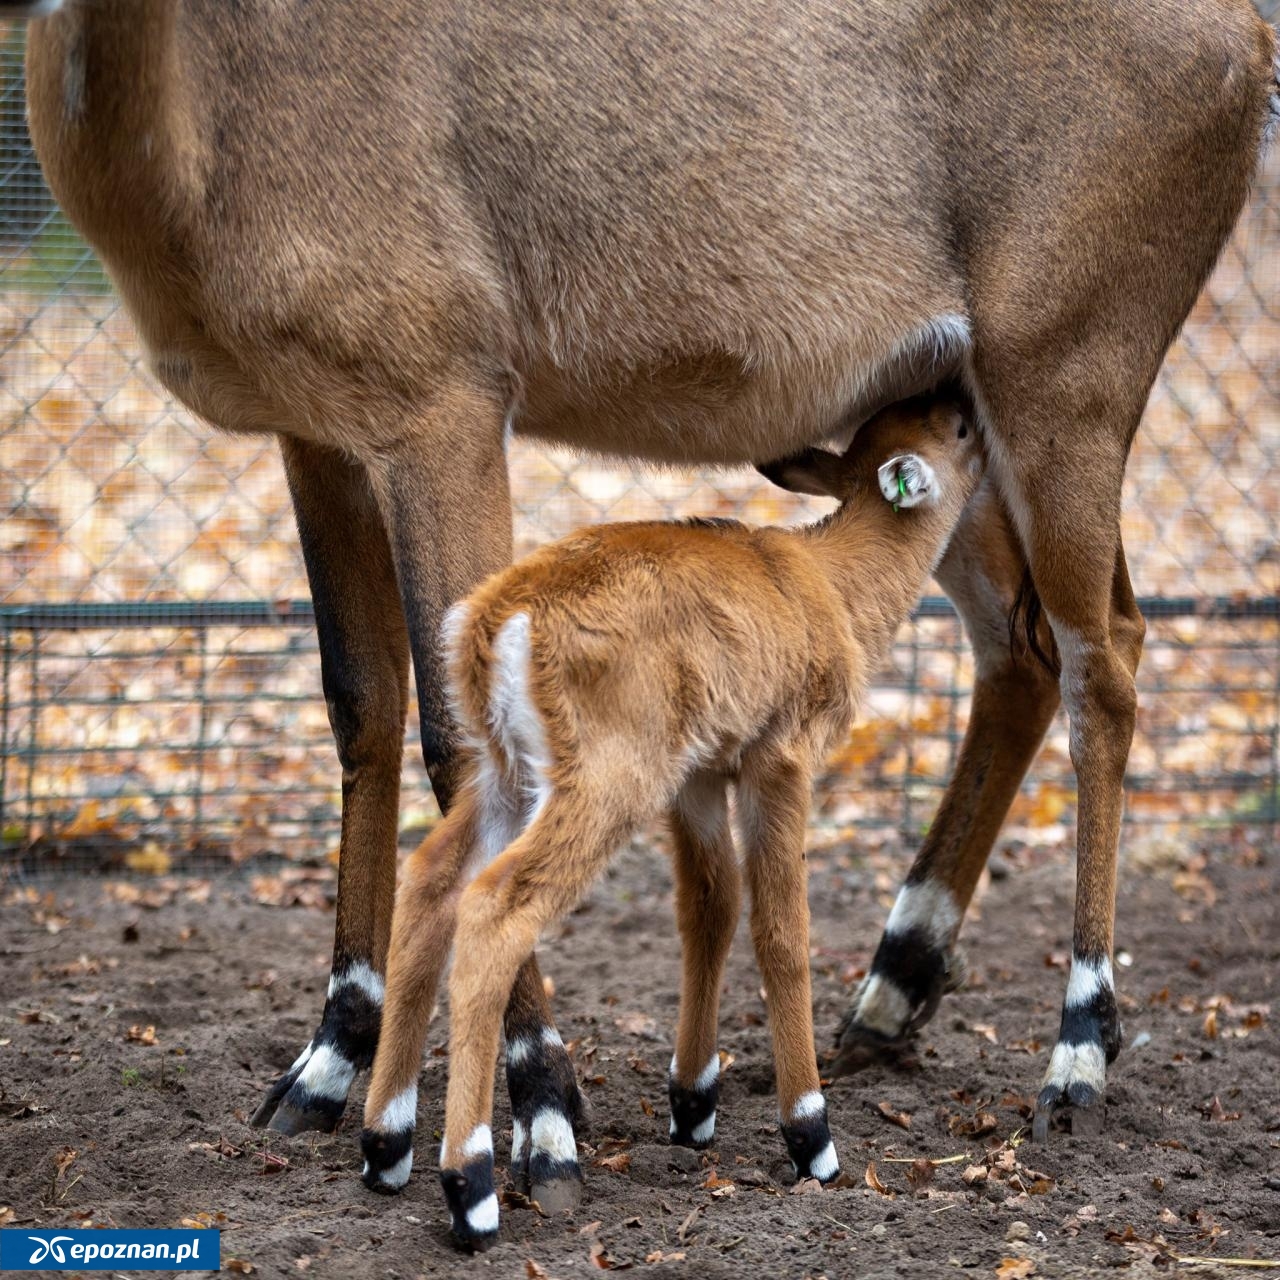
106,1121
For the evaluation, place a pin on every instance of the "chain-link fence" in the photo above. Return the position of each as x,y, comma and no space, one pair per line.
159,685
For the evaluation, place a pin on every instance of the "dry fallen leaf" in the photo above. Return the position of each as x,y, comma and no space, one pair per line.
901,1118
204,1220
600,1257
240,1266
658,1256
1211,1024
513,1199
686,1227
1015,1269
975,1173
1214,1111
974,1126
141,1035
151,860
534,1272
619,1163
920,1174
873,1181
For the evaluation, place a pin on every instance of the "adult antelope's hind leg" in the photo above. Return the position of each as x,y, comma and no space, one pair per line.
443,490
1014,699
364,657
541,875
548,1111
708,899
773,808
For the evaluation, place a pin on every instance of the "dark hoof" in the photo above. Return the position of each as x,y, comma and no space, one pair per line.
267,1108
808,1139
549,1112
859,1047
693,1114
473,1204
1079,1107
557,1195
307,1113
291,1107
388,1160
311,1095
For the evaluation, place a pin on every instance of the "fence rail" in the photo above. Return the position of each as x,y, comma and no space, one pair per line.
160,685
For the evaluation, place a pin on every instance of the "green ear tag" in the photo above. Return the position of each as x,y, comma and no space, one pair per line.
902,489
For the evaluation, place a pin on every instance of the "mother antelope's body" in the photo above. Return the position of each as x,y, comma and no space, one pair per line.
698,231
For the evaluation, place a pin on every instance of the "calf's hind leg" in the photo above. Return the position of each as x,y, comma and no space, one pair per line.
542,874
708,900
421,934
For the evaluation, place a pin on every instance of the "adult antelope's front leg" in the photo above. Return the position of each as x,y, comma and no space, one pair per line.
708,900
1062,484
773,800
364,656
1099,661
1014,699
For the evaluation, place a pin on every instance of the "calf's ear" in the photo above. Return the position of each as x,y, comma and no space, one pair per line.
813,471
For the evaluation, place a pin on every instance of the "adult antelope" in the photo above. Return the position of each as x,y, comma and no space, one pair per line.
708,231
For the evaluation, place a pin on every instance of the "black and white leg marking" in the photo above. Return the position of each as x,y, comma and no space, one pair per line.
388,1144
546,1114
693,1110
312,1094
913,966
808,1139
1089,1039
469,1189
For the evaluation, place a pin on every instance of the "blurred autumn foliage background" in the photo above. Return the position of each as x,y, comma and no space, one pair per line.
126,736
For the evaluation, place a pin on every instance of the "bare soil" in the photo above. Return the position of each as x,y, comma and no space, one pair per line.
98,1125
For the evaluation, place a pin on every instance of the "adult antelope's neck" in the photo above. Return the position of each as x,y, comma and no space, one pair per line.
112,113
878,562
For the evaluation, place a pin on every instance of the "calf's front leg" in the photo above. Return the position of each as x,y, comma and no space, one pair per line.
773,798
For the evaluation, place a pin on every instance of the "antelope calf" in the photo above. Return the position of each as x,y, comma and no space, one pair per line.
630,670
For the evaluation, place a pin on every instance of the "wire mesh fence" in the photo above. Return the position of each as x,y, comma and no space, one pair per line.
159,684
